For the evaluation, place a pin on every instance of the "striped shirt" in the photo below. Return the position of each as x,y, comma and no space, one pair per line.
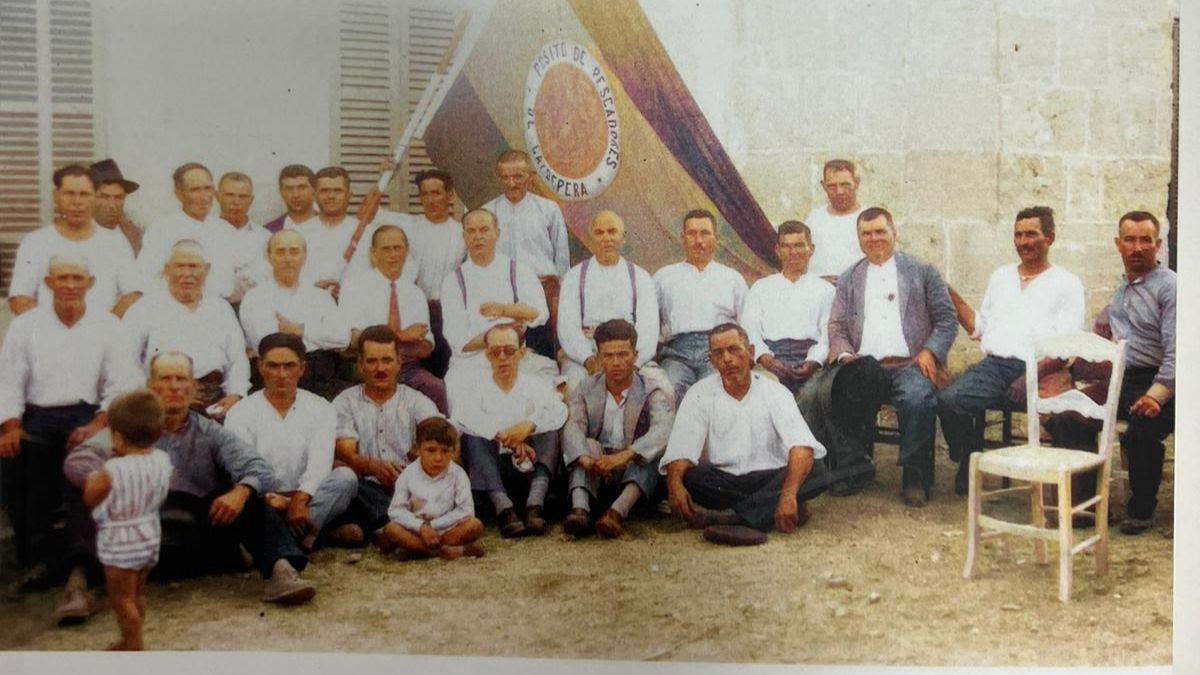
1143,312
128,530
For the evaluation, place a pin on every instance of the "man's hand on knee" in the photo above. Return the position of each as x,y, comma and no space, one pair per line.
787,514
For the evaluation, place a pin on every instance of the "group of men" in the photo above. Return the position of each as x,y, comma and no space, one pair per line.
749,401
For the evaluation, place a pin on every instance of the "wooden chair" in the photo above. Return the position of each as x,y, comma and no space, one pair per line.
1041,465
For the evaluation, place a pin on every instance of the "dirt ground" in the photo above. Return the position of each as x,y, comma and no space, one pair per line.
661,593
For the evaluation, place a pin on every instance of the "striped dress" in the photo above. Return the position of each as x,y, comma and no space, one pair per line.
128,529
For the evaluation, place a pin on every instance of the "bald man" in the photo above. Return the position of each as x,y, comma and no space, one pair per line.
603,287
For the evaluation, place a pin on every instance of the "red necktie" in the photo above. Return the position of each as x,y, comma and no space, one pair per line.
394,310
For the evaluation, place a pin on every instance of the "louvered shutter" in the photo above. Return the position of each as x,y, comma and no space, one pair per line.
386,52
46,109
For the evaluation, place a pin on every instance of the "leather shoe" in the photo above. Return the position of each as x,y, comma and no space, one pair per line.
76,606
534,522
576,523
609,525
1133,525
510,525
914,497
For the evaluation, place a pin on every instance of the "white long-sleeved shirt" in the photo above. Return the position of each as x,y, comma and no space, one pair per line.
533,232
691,300
212,234
109,256
383,431
608,294
752,434
247,251
303,304
778,309
835,239
481,408
365,301
442,500
298,446
47,364
210,335
1011,320
462,321
883,328
434,248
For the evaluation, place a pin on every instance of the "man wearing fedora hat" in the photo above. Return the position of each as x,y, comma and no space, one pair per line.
109,211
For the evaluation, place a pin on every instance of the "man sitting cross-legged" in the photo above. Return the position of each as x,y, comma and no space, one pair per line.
740,453
375,425
432,512
617,428
509,412
294,431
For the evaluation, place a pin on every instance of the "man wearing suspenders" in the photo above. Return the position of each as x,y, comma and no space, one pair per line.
607,286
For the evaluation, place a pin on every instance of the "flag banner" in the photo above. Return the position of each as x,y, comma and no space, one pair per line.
587,89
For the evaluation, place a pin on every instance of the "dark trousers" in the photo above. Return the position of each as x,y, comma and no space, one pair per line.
191,547
439,361
982,386
413,375
1142,441
33,486
489,472
753,496
369,509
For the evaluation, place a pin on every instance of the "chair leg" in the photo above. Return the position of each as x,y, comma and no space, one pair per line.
1064,536
974,508
1039,520
1102,523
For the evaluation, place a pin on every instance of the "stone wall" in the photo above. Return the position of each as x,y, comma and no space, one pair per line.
959,113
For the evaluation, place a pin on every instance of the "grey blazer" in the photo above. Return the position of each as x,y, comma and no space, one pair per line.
649,414
926,314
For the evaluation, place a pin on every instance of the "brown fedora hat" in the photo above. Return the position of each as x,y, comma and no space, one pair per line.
106,171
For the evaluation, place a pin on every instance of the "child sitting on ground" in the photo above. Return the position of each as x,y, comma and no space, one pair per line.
125,497
432,512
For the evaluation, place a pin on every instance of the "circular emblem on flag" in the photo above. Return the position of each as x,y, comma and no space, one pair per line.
570,121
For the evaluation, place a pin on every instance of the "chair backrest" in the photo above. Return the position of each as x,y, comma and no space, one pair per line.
1090,347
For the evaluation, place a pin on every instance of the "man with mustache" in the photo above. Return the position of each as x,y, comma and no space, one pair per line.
1023,303
111,190
376,421
834,225
694,296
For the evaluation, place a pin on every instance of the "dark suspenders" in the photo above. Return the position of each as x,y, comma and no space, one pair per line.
512,280
583,283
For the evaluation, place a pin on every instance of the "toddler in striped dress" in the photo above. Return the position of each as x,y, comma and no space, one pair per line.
125,497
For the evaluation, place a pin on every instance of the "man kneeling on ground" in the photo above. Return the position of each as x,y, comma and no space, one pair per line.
616,430
740,453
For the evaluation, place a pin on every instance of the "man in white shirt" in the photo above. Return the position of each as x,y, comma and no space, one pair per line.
376,421
186,319
486,290
1023,303
894,309
534,232
740,453
786,315
62,365
329,234
514,413
694,296
109,256
284,305
247,240
437,248
606,286
383,295
834,225
294,431
617,428
195,220
297,188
